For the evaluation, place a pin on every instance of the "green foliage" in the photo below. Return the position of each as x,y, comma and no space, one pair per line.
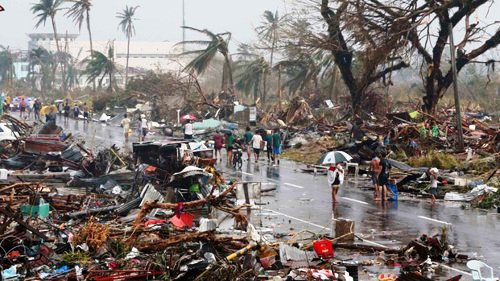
482,165
6,66
126,18
100,66
118,249
76,257
46,9
435,159
217,43
249,75
78,11
490,201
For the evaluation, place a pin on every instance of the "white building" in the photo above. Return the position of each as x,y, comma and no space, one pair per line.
21,69
143,56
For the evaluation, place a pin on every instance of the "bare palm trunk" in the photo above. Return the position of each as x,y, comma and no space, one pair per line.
90,40
126,66
110,86
229,74
264,83
57,56
269,73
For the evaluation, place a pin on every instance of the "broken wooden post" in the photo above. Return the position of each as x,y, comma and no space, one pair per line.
344,230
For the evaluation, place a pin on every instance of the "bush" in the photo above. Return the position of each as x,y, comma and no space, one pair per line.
436,159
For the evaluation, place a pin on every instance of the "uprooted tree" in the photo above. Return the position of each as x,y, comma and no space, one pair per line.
364,43
433,21
363,35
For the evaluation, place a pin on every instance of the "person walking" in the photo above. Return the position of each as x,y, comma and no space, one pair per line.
67,109
188,130
229,147
383,178
86,116
374,173
76,112
37,106
144,127
60,108
51,116
433,175
269,145
126,126
31,104
22,110
276,139
218,144
256,145
247,137
335,179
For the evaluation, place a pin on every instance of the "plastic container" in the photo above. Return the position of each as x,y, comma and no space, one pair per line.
324,249
42,210
4,173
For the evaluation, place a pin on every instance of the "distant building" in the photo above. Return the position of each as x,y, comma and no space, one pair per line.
144,56
21,70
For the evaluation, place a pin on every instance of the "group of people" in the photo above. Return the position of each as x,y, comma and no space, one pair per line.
142,127
34,107
380,169
385,187
252,142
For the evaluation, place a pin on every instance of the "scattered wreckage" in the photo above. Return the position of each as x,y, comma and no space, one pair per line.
164,213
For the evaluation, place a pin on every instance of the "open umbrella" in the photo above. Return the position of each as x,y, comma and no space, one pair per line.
188,117
334,157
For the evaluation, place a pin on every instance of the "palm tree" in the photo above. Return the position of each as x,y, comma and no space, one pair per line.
44,10
40,65
127,26
98,66
250,74
72,72
268,31
7,72
218,43
79,11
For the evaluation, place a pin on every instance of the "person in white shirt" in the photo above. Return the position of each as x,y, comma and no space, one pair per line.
188,130
335,179
144,127
257,144
126,126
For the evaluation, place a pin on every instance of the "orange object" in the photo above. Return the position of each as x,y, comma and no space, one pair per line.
153,222
150,169
185,220
324,248
387,277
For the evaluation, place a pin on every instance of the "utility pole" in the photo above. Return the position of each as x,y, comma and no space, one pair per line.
183,24
458,115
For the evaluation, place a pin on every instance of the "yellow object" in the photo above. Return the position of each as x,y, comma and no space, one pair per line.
47,108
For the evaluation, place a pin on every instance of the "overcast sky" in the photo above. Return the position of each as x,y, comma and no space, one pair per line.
158,20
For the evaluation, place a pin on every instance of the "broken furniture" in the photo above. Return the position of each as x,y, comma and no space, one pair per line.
476,267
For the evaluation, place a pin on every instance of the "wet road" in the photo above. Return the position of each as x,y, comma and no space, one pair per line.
303,201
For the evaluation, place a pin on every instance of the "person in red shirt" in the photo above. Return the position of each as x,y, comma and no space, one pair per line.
23,108
218,144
